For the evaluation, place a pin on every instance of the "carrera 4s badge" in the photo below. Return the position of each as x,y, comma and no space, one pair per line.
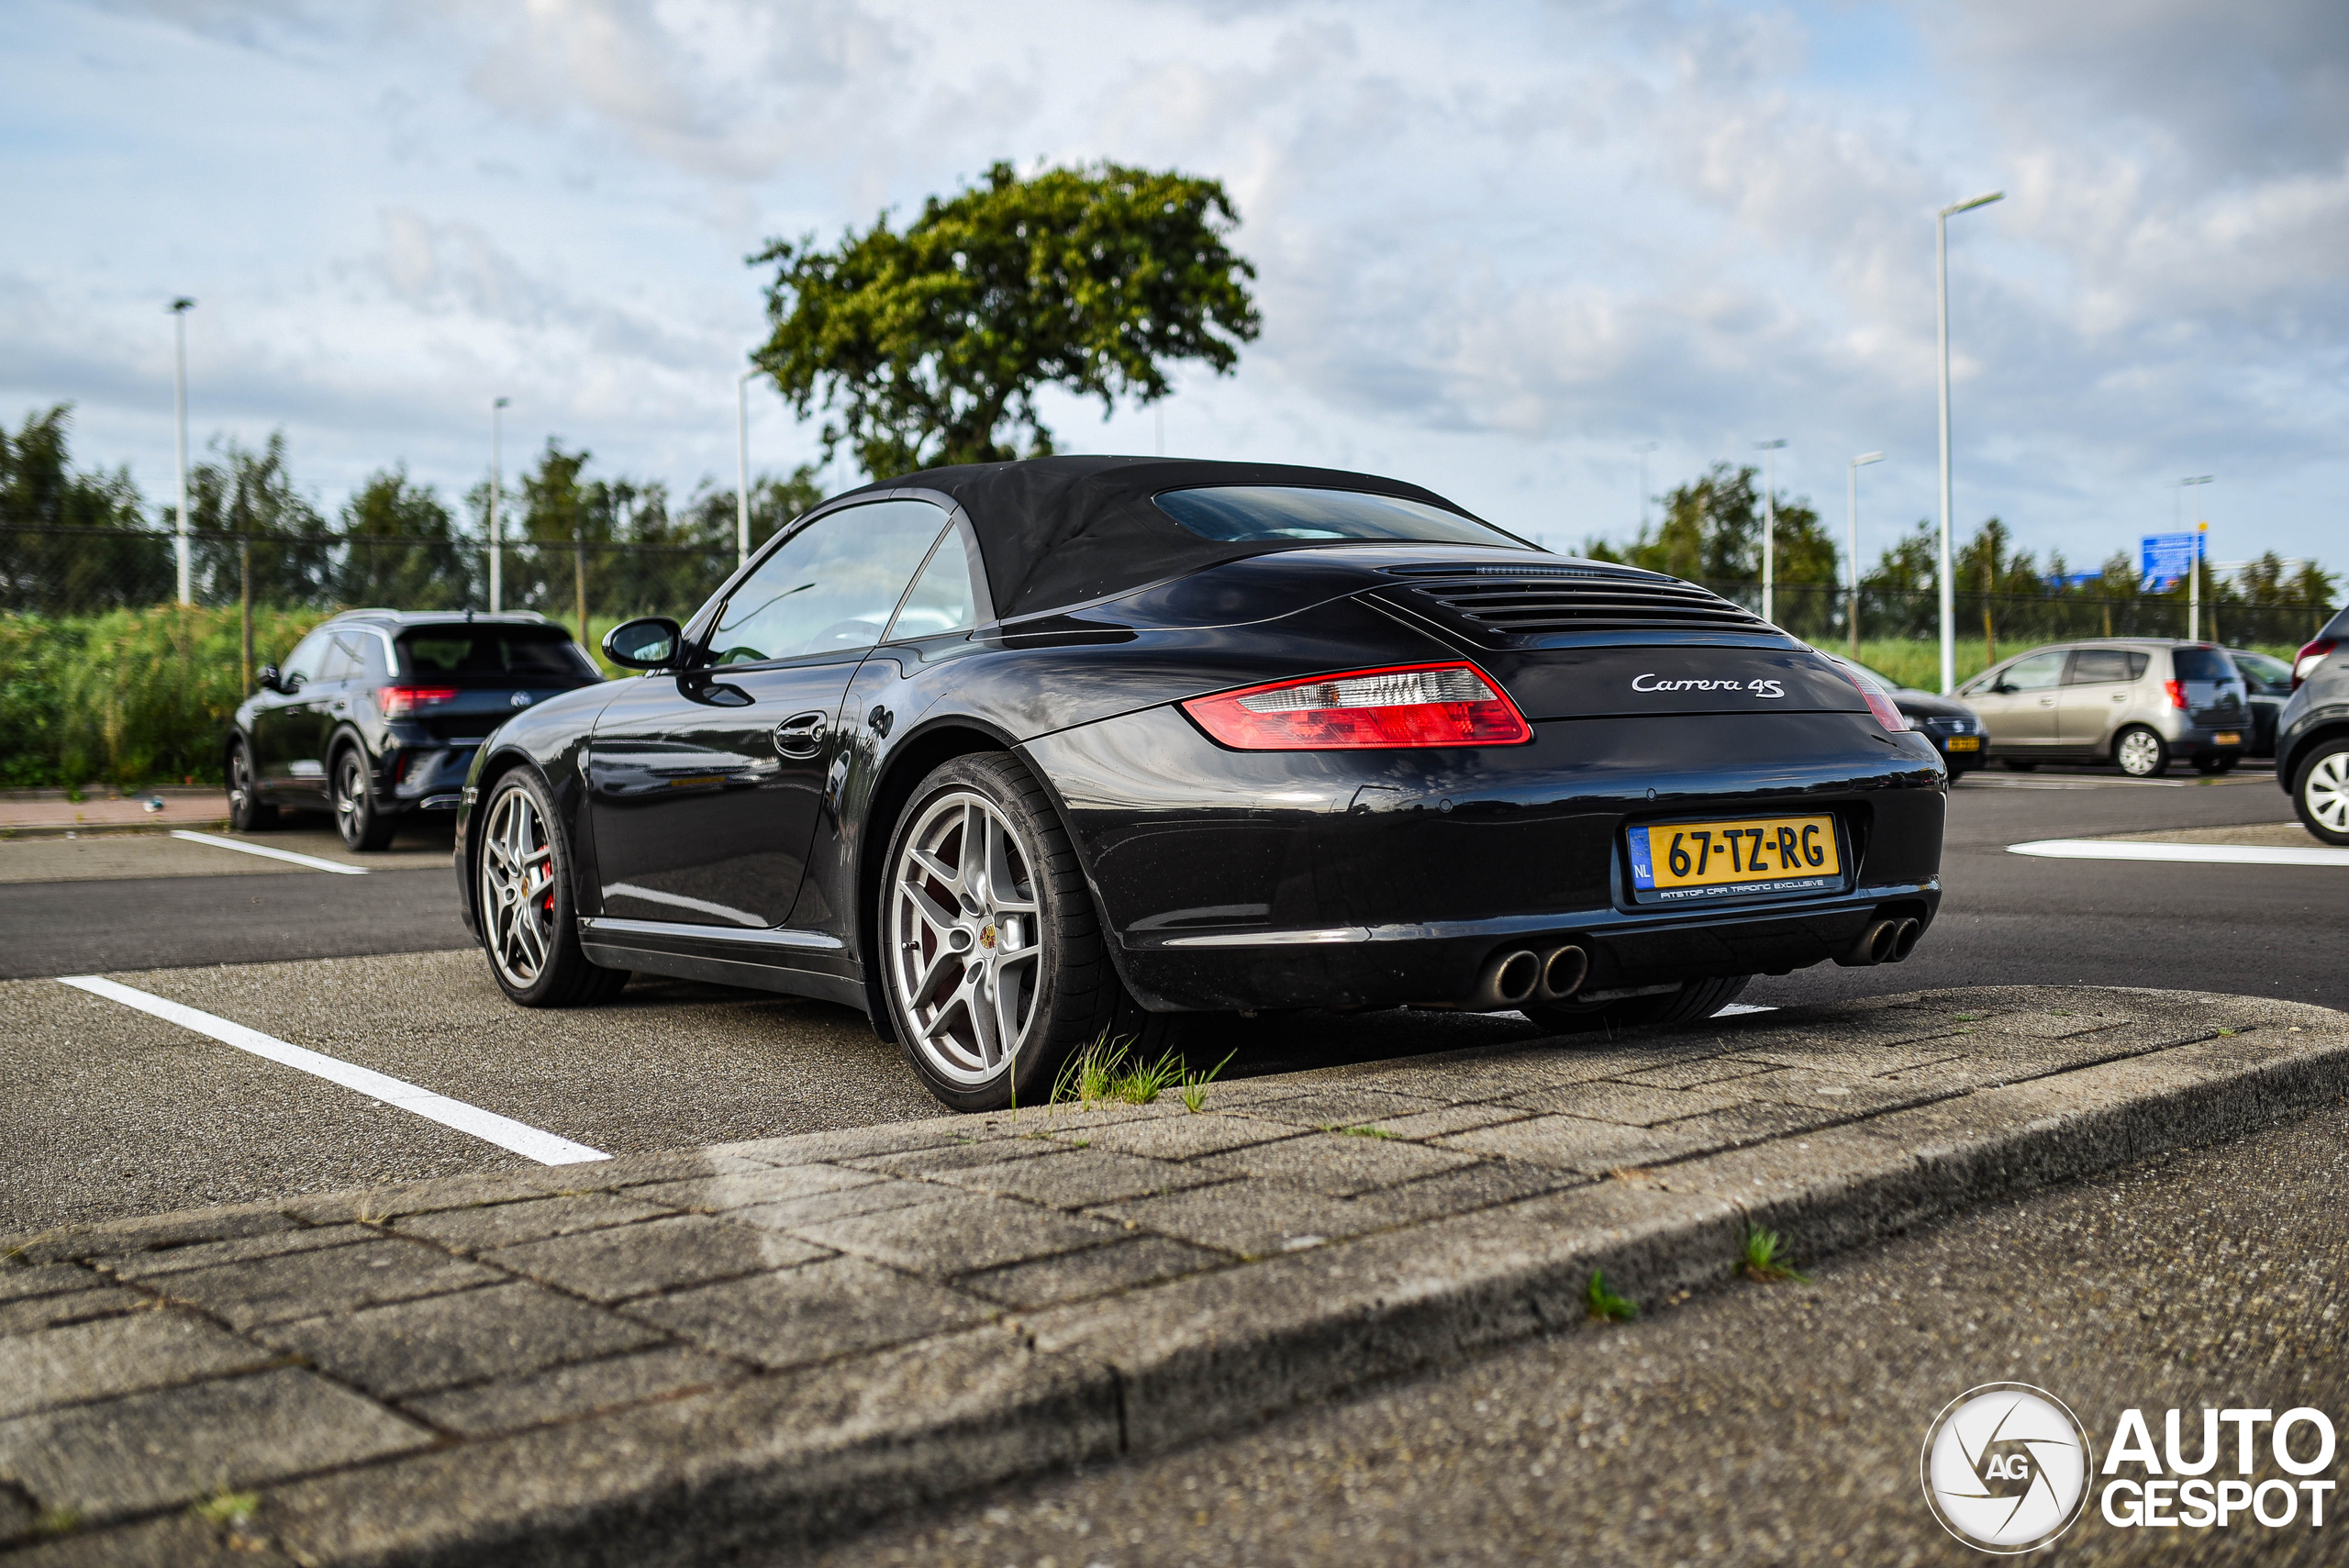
1759,688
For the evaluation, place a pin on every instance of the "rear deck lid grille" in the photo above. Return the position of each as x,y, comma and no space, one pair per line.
1531,601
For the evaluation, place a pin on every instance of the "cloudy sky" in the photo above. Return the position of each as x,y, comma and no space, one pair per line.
1502,248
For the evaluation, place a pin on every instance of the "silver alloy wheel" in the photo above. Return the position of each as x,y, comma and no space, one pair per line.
2140,753
349,796
240,783
517,887
2326,791
965,951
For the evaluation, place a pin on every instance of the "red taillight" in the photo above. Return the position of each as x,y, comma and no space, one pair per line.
2314,654
1407,705
398,702
2176,690
1888,712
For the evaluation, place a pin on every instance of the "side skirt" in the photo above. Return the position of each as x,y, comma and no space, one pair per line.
797,963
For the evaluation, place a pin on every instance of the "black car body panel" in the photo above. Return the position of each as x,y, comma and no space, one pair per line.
2319,710
1231,879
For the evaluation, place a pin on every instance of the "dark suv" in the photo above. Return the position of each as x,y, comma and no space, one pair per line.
377,714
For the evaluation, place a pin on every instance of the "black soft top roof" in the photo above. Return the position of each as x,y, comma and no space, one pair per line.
1061,530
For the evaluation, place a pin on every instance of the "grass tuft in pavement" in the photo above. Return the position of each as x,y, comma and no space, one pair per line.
1195,1083
58,1521
1604,1304
1101,1074
1762,1258
226,1509
1365,1130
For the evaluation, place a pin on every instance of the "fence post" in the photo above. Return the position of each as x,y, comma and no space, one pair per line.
245,607
579,580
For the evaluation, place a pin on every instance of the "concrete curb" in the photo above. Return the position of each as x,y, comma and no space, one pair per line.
1529,1168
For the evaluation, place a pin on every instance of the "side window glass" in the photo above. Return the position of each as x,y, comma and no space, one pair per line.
2099,667
2037,673
342,662
2137,662
303,661
943,597
830,588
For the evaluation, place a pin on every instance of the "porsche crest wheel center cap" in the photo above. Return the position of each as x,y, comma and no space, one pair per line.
987,936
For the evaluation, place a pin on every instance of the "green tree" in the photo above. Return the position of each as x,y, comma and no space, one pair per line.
401,548
928,346
72,541
268,534
1711,532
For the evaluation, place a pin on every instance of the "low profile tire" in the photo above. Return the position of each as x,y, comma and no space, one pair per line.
1695,1001
2018,764
365,826
522,880
2321,792
2140,753
248,812
993,958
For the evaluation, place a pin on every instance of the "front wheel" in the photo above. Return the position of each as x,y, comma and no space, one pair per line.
248,812
527,922
993,958
1694,1002
364,826
2320,794
2140,753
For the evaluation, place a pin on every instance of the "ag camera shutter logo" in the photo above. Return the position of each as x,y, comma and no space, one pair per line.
2006,1467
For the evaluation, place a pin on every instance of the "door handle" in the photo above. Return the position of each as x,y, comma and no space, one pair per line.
801,735
2047,702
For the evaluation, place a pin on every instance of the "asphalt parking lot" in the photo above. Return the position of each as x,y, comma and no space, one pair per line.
115,1111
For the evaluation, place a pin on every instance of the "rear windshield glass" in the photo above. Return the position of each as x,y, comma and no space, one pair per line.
493,654
1248,513
2201,664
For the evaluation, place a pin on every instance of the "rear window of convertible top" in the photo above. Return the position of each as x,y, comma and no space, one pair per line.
500,654
1238,514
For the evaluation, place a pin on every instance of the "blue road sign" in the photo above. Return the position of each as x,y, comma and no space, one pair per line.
2166,556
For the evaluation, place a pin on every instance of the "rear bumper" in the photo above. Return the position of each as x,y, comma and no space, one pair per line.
1252,880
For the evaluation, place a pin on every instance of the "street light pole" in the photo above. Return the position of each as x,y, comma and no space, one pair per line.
1946,571
743,466
1769,522
1851,609
1643,449
2194,557
496,483
180,308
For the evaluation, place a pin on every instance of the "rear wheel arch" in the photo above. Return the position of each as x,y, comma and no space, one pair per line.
908,765
2287,767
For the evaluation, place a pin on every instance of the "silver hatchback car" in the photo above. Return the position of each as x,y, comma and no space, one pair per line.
2143,702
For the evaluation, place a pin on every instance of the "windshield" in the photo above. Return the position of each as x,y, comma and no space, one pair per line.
1248,513
495,655
2259,667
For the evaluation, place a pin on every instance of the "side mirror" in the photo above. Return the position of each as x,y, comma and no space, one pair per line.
269,679
651,642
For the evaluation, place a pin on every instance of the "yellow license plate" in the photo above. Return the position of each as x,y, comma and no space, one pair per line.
1965,742
1759,854
2229,739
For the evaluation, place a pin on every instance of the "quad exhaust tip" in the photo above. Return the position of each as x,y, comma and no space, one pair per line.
1883,941
1515,976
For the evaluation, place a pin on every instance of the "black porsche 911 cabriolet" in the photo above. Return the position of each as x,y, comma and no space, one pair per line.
1012,755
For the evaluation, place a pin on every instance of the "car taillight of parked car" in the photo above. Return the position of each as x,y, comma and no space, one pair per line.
1887,713
2176,690
399,702
1405,706
2314,654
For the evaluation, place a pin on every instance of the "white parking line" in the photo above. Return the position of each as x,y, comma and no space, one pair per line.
2188,855
488,1125
312,862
